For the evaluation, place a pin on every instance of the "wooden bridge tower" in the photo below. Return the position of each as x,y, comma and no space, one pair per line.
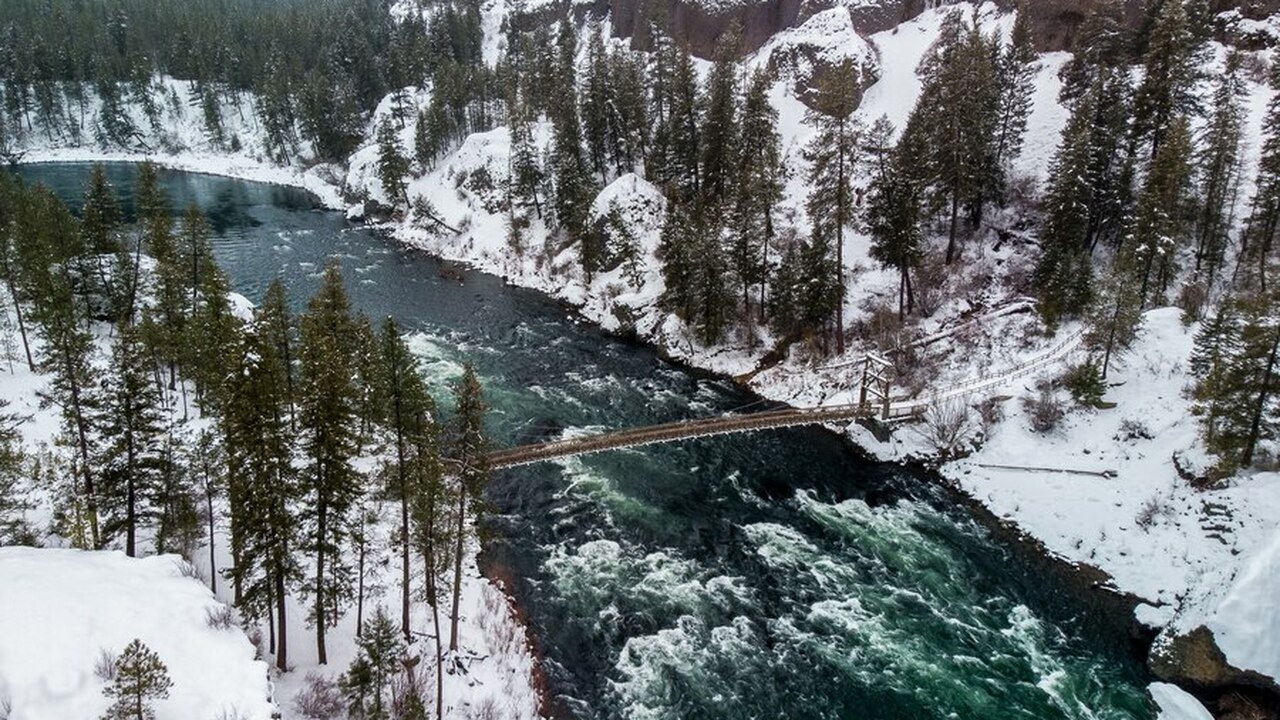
877,374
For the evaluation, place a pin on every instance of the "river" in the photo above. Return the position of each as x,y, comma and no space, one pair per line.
773,575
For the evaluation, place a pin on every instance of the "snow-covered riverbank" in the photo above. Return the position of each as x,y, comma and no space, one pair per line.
1197,557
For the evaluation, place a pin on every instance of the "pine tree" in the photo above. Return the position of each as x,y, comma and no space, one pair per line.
627,76
328,423
407,415
393,166
758,188
13,503
66,347
526,170
1260,231
165,318
1172,61
677,251
833,155
1216,345
677,115
783,304
1064,270
367,682
1016,73
1114,318
893,213
719,137
100,272
140,678
263,485
1218,164
213,337
1110,170
1158,227
468,447
279,331
573,190
133,426
431,527
1101,42
1238,378
600,124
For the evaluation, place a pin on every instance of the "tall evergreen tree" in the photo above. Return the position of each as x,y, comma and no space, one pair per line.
1064,270
956,116
758,189
468,447
133,426
720,136
600,122
1016,70
393,166
893,212
1158,224
263,484
833,155
526,168
1260,231
1238,378
367,682
330,439
1218,167
407,409
1172,67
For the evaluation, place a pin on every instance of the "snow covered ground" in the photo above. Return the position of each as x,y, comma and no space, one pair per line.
63,608
1196,557
72,604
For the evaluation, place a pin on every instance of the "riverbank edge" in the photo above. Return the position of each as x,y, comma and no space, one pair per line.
1090,586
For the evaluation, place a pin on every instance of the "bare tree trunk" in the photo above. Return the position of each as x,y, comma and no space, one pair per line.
951,236
282,646
208,507
457,566
22,325
321,527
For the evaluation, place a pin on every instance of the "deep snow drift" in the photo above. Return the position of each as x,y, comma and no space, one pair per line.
62,608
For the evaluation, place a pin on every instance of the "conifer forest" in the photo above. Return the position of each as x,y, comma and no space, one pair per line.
395,359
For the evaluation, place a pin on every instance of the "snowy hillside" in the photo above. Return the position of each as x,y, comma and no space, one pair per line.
64,608
1195,557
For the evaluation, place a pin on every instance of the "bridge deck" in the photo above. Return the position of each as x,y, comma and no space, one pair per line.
785,417
679,430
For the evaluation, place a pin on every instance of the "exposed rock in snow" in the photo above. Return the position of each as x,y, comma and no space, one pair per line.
804,53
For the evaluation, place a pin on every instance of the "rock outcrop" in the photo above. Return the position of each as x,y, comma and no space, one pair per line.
1193,660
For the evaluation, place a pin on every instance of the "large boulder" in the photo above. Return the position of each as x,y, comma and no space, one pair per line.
1194,660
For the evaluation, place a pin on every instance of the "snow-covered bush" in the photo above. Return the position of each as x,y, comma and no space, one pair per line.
1085,383
104,668
1043,410
220,618
1133,429
990,413
320,699
1155,507
946,427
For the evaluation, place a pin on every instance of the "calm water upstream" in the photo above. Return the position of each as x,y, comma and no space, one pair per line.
764,576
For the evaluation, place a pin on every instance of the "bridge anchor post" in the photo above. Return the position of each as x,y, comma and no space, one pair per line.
876,383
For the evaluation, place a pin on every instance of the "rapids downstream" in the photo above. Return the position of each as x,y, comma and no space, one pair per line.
773,575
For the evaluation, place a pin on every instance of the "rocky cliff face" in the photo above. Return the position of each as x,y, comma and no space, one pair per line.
699,23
